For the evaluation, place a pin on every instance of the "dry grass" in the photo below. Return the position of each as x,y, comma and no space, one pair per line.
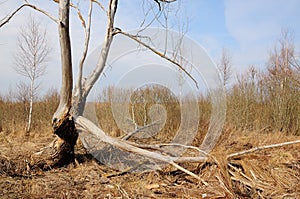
272,173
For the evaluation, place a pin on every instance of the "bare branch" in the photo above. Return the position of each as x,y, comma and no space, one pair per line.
262,148
112,8
156,16
162,55
6,19
79,15
78,88
163,1
100,5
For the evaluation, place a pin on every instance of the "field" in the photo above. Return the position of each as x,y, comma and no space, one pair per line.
272,172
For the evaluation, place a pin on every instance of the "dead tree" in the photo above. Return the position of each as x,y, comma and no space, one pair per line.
68,120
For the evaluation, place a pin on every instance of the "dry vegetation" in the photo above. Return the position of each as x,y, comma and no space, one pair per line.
263,108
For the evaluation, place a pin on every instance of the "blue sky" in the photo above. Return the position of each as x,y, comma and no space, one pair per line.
249,29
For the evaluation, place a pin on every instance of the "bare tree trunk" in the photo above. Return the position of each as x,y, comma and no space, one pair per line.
61,151
63,124
28,128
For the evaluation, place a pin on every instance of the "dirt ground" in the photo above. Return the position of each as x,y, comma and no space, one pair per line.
269,173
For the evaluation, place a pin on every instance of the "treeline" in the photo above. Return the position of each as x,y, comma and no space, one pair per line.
266,101
14,108
262,101
269,100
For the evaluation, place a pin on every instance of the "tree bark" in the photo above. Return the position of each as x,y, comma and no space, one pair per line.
61,151
78,105
63,123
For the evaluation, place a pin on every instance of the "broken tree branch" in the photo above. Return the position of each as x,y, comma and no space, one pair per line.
89,126
262,148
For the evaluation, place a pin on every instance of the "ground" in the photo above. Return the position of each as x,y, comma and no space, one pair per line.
271,173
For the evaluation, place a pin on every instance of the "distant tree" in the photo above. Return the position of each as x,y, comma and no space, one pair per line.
283,65
282,80
225,66
30,58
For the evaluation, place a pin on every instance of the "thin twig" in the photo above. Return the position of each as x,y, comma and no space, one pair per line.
100,5
188,172
79,14
223,185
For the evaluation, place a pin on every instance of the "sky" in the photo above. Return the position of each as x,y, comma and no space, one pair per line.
248,29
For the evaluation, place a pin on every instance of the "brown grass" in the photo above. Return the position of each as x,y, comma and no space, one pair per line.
269,173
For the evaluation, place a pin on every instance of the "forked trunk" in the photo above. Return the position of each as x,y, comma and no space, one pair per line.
61,151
